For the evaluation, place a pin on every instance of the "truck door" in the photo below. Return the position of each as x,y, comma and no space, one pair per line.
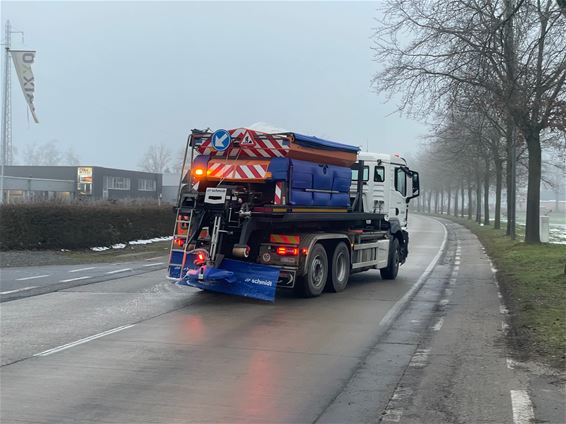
398,203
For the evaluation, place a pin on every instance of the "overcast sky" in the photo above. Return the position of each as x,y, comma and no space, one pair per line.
113,78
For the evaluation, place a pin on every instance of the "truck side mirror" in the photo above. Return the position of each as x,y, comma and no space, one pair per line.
416,185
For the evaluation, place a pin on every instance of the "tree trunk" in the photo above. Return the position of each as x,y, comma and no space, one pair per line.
429,201
478,197
509,139
436,201
469,198
441,201
449,200
486,193
462,198
498,184
456,201
532,234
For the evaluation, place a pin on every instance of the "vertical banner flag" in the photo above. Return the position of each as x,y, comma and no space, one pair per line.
23,59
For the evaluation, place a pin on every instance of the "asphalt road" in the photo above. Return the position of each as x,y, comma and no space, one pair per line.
18,282
138,349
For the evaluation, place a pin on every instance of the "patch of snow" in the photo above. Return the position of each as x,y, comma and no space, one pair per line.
266,128
133,242
152,240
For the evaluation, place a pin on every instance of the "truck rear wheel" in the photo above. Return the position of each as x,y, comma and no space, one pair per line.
339,269
392,268
313,282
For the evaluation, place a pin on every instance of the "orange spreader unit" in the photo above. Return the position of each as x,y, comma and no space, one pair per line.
247,144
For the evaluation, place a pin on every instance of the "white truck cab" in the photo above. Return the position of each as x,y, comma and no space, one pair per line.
388,185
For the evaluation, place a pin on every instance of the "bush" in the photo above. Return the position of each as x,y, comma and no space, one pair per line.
73,226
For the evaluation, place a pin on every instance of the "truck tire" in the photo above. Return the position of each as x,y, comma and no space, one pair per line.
313,282
339,269
392,268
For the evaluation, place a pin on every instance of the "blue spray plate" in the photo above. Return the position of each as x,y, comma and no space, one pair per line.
234,277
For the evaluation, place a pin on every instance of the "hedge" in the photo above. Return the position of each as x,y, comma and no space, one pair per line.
74,226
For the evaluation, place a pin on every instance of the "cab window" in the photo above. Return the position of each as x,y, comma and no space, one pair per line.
365,176
400,181
379,174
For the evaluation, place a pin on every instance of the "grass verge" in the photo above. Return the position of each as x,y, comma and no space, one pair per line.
533,282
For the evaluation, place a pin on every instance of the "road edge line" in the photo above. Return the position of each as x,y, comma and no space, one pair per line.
402,303
394,312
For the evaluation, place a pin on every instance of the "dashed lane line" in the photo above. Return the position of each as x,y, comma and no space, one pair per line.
438,324
82,269
68,280
522,407
81,341
116,271
18,290
154,264
33,277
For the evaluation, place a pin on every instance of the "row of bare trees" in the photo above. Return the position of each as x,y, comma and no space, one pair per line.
491,76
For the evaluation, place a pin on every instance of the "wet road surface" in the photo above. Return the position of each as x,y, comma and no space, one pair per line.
138,349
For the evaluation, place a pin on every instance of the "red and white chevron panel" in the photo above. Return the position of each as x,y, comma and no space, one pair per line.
278,198
227,171
248,144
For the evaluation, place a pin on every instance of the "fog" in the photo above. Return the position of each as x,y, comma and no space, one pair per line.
115,78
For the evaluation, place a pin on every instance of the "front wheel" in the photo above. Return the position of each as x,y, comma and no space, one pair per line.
392,268
313,282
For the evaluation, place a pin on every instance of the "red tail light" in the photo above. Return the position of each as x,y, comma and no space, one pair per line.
287,251
200,257
179,242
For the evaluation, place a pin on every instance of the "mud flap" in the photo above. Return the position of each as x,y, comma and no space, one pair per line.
236,278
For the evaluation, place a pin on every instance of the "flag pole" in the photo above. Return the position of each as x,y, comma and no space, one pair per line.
6,106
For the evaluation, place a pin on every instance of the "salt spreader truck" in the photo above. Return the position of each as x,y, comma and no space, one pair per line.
260,211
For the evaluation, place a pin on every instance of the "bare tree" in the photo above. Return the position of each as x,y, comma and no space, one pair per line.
157,158
48,154
456,44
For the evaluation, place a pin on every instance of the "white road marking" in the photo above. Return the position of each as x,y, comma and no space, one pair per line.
504,326
396,309
448,292
443,302
18,290
438,324
154,258
456,268
420,358
33,277
522,407
75,279
456,262
503,310
81,341
511,363
119,270
154,264
452,281
392,415
82,269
